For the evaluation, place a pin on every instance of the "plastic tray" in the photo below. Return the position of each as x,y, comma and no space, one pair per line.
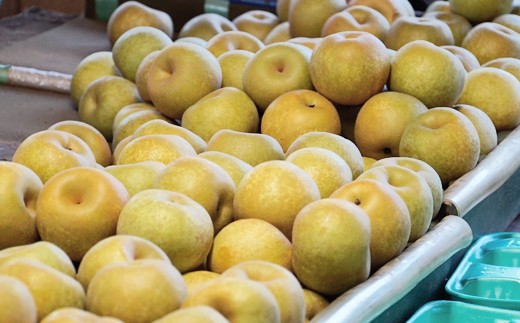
489,273
453,311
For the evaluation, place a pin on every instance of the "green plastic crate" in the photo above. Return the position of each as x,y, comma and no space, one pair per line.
489,273
456,312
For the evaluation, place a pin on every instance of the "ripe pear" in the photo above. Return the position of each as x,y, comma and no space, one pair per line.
225,108
338,233
497,93
42,251
414,191
490,40
129,124
252,148
466,57
43,281
132,47
458,25
132,14
394,110
274,191
357,18
233,40
182,74
234,166
302,24
445,139
342,146
203,181
438,6
276,69
391,9
159,126
407,29
249,239
233,64
282,9
129,109
70,314
20,187
256,22
136,177
487,132
509,20
429,73
478,11
114,292
237,299
141,75
194,314
205,26
196,278
314,303
390,223
103,99
508,64
117,248
16,301
279,33
342,63
90,68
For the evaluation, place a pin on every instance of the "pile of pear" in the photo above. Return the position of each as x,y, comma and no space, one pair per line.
253,169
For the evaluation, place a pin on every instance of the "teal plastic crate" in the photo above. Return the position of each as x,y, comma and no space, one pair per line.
456,312
489,273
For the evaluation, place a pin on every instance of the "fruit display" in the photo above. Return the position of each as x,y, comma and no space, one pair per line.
252,169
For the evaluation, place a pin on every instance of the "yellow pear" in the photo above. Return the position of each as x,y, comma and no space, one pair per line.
91,136
129,109
390,222
276,69
425,171
19,189
391,9
490,40
314,303
458,25
303,24
225,108
113,291
326,168
508,64
249,239
338,233
343,63
89,69
256,22
205,26
129,124
133,45
414,191
173,221
447,128
234,166
342,146
274,191
466,57
155,147
509,20
163,127
357,18
42,251
141,75
281,283
437,6
407,29
117,248
16,302
132,14
136,177
487,132
43,281
71,314
194,279
195,314
429,73
481,10
394,110
252,148
233,40
497,93
238,300
196,73
205,182
78,207
297,112
233,64
278,34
